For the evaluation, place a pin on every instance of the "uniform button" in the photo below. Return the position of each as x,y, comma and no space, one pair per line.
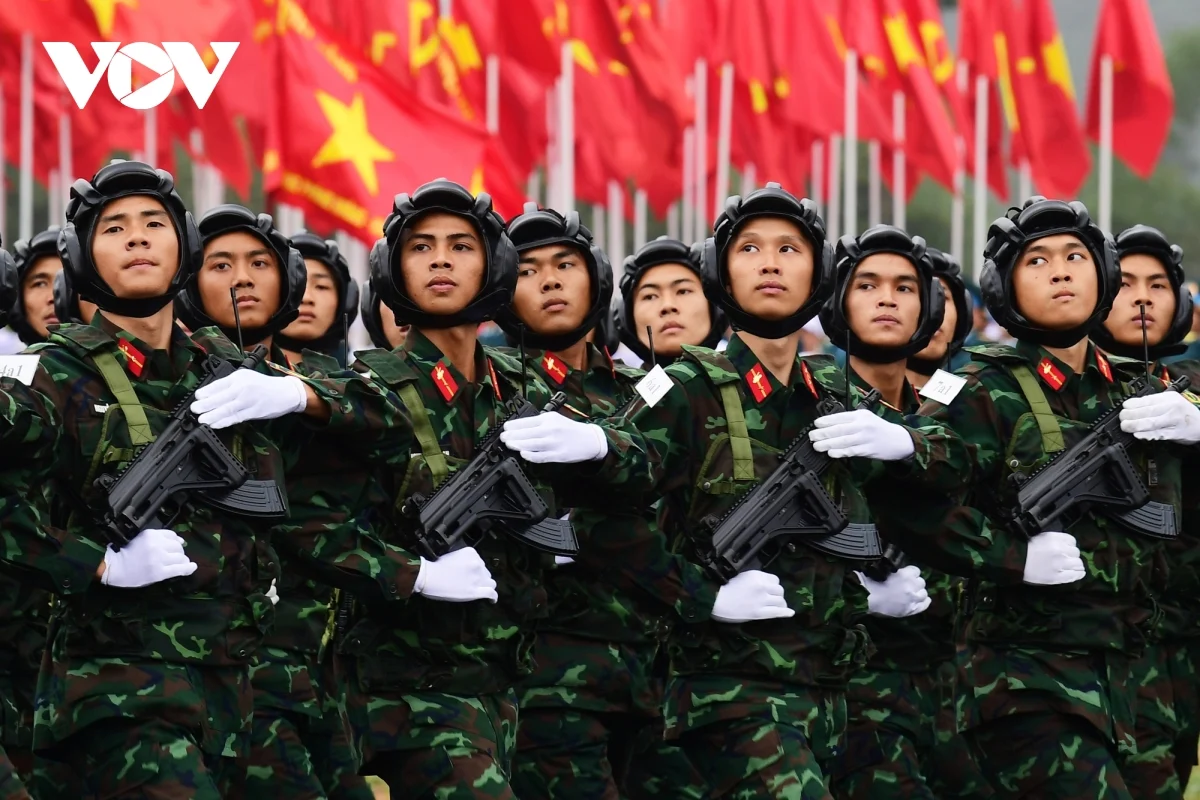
707,485
791,547
393,589
240,653
66,584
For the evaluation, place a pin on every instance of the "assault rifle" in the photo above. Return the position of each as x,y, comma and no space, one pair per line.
186,462
1095,475
490,492
791,502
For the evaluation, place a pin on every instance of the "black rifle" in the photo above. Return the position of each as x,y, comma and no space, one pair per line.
791,502
1096,475
490,491
186,462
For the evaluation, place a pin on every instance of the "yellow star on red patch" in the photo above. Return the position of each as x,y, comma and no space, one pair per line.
105,12
351,139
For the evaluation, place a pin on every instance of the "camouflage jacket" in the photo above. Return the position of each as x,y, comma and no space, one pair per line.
680,450
66,429
923,641
596,649
949,510
427,645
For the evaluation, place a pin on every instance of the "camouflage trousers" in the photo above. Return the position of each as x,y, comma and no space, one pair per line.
903,738
11,786
1183,659
572,753
439,746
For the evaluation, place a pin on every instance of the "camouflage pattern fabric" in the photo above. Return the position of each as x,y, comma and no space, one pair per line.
658,768
11,786
1059,656
679,450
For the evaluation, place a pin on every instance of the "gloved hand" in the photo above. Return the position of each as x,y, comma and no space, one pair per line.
152,556
551,438
861,434
1052,559
273,595
247,395
460,576
751,595
1166,416
562,561
902,594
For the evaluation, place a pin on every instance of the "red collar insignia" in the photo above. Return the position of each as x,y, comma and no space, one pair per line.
1103,364
444,381
1051,374
808,380
1166,378
133,357
760,385
555,368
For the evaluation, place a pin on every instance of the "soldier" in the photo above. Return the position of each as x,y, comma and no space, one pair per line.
759,664
592,691
68,305
887,305
145,690
380,321
1149,321
1054,677
956,323
330,303
659,296
38,263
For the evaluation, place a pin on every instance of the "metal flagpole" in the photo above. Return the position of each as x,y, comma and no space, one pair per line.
818,175
25,226
1106,141
958,207
979,228
616,222
874,183
724,137
566,128
850,189
899,182
700,180
640,212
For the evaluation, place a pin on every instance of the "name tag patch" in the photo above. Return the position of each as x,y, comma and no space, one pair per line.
20,367
654,386
943,387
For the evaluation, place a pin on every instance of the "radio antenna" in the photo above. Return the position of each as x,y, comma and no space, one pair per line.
237,318
1145,341
650,344
847,366
524,363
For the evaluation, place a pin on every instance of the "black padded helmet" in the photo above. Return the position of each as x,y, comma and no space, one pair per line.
8,284
25,253
326,251
946,267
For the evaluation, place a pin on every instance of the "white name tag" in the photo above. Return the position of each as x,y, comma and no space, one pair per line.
943,386
21,368
100,409
654,386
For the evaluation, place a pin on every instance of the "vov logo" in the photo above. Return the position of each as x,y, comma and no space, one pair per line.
163,61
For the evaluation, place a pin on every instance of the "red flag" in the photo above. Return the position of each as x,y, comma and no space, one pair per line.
341,141
1143,98
976,47
116,20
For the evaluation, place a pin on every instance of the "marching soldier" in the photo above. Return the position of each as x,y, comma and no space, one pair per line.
956,322
330,303
380,321
32,312
68,305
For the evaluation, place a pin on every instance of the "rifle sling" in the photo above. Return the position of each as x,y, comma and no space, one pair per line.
118,383
1047,422
739,435
435,459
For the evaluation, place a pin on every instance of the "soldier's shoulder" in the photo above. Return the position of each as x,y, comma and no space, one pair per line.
826,372
387,366
626,374
212,341
505,360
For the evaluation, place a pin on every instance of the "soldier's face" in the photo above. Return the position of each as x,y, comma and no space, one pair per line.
670,301
395,334
936,349
554,289
243,262
883,300
135,247
319,309
1143,281
37,294
442,259
1055,285
770,268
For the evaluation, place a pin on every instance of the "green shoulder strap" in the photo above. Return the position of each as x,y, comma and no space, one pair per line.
1052,436
724,375
392,370
118,383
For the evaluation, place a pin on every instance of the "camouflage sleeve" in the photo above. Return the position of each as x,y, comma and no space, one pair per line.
45,557
927,517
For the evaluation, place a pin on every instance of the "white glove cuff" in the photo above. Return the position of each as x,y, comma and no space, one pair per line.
601,442
301,393
422,578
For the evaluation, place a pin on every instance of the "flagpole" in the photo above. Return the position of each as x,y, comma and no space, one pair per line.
835,187
25,226
874,184
958,208
566,128
673,221
850,190
533,187
724,137
1025,185
979,229
200,189
1106,141
52,197
749,174
899,165
700,153
493,94
688,204
639,220
66,170
151,133
599,227
553,188
817,181
3,171
616,221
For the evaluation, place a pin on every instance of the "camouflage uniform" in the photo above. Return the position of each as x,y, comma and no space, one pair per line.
594,698
759,707
145,692
1055,668
903,737
432,683
24,614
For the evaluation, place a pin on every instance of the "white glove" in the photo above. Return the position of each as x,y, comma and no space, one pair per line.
1053,559
273,595
247,395
460,576
552,438
861,434
751,595
901,594
562,561
1166,416
152,556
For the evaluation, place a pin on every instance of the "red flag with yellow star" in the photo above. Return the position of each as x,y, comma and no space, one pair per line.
153,21
342,141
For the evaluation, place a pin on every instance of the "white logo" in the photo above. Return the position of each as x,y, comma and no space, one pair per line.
164,61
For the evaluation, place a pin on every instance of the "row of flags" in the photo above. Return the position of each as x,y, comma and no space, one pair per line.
342,104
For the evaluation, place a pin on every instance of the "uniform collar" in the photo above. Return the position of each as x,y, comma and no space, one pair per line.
445,376
757,380
909,392
141,360
1055,374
